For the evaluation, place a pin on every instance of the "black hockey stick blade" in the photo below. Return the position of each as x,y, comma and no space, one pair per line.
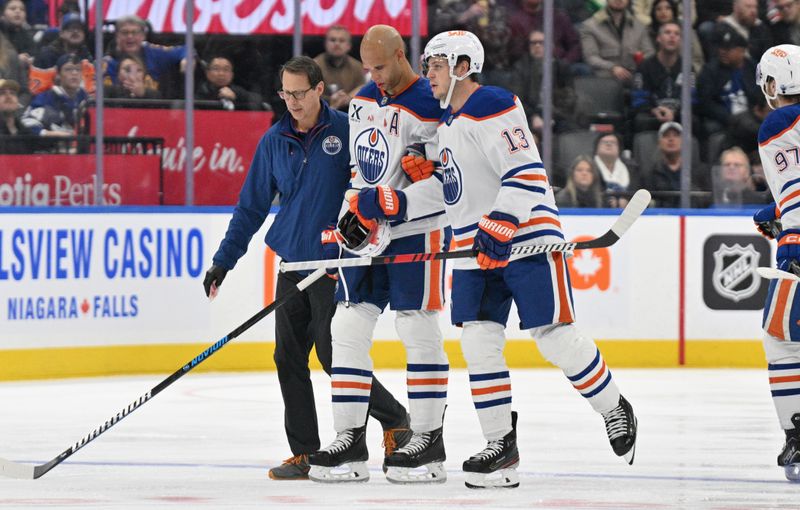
24,471
636,206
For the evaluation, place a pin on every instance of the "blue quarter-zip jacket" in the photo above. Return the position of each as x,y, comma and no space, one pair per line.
310,174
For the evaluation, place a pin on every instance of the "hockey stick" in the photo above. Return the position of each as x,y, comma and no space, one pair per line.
771,273
24,471
634,209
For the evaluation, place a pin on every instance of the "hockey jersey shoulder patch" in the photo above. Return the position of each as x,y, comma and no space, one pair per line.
488,102
777,123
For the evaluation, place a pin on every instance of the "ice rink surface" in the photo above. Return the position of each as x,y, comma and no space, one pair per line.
707,439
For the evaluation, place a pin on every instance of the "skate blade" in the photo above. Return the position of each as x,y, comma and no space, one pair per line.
429,473
502,479
630,454
792,472
346,473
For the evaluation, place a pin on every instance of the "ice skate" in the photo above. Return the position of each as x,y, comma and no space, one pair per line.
496,465
789,458
344,460
621,425
420,461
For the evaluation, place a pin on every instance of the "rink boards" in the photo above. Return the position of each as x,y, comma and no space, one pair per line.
119,290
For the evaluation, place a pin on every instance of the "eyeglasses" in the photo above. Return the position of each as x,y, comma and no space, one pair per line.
221,69
130,33
297,95
536,43
10,92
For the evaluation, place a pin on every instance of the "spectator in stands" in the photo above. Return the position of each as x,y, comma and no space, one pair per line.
343,74
745,21
666,172
709,13
618,174
527,85
129,39
56,112
487,19
734,185
10,110
786,29
584,187
657,84
71,39
14,25
219,86
11,68
528,15
665,11
132,81
644,10
727,84
578,10
614,41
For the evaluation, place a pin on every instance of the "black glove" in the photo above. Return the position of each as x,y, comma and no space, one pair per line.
214,275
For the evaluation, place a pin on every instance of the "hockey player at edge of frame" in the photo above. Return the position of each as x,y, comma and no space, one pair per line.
393,207
497,195
778,75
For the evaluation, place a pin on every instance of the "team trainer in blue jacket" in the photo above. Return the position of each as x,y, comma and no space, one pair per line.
304,158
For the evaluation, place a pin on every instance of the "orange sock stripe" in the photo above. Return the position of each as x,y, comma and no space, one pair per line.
593,379
426,382
351,385
491,389
786,378
779,308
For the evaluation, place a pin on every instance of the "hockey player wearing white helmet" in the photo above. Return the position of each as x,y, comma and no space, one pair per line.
393,123
497,195
778,75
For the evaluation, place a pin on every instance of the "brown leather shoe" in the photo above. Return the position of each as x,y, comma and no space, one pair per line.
293,468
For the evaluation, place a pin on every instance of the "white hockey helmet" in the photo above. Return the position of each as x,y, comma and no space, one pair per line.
782,64
364,238
452,45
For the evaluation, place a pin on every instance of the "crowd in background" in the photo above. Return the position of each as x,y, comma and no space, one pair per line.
616,95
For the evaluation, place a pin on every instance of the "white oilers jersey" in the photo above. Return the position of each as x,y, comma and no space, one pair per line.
779,148
381,130
489,162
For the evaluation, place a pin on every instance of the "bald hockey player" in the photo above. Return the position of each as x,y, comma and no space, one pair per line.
497,195
778,76
393,207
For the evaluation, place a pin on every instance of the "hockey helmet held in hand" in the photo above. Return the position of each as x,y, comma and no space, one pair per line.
780,64
362,237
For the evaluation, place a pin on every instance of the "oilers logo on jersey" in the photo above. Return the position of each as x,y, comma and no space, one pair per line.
451,177
371,154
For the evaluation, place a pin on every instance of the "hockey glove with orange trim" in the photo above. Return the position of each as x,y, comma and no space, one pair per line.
415,165
379,202
331,248
768,221
493,239
789,250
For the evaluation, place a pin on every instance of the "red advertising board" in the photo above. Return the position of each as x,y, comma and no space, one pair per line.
244,17
68,180
224,144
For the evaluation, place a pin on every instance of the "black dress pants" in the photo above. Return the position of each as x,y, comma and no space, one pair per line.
302,322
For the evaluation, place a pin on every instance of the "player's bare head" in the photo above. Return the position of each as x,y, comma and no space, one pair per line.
383,55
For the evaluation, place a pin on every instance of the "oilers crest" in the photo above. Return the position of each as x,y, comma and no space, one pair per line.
452,184
371,154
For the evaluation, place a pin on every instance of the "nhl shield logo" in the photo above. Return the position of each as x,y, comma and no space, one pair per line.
734,275
332,145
